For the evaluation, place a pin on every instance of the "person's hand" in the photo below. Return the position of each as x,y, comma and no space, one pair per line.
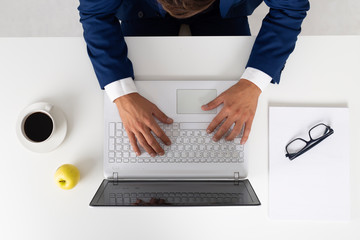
240,102
137,115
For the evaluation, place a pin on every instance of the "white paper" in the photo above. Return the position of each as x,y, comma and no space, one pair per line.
315,185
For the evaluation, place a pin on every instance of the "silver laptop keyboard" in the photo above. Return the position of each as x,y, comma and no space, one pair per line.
190,143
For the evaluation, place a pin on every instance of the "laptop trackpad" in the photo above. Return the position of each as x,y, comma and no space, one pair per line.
189,101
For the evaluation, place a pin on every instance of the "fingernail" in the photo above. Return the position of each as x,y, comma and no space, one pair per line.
169,120
153,154
137,154
168,143
161,153
208,131
215,139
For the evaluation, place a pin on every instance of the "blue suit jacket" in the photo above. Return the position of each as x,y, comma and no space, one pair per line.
108,51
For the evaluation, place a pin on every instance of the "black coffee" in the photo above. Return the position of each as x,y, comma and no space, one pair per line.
38,126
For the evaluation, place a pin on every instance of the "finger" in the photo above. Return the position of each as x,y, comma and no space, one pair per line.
150,139
246,131
160,133
133,143
145,144
216,121
235,131
162,116
223,129
213,104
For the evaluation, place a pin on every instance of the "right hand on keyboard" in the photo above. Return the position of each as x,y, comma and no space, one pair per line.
137,114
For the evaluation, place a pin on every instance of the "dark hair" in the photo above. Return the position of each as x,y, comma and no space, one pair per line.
185,8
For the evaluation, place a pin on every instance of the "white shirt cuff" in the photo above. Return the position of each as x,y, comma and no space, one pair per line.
120,88
258,77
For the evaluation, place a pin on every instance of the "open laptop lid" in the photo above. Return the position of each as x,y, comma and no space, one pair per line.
175,193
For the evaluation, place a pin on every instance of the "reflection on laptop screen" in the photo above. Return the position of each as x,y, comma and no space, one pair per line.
177,193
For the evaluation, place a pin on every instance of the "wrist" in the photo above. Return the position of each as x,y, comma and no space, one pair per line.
250,85
123,100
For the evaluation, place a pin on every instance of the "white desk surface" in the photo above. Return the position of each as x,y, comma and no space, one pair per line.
323,71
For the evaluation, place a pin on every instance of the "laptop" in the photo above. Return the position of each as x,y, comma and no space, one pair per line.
194,171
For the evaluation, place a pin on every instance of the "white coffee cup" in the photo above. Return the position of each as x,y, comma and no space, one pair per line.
38,125
41,127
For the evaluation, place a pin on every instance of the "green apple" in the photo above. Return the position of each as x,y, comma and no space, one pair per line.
67,176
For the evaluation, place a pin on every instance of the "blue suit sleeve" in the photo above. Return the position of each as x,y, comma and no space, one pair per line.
105,41
277,37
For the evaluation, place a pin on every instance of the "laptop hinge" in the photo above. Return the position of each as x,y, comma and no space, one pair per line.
115,175
236,178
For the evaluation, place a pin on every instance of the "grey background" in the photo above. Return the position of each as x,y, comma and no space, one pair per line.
60,18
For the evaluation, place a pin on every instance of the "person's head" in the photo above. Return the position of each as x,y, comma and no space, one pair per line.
185,8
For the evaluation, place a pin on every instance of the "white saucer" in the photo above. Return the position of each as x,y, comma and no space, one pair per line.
54,140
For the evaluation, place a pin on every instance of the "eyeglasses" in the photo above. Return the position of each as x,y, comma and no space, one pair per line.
299,146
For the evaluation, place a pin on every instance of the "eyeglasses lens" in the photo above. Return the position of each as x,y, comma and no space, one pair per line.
296,146
318,131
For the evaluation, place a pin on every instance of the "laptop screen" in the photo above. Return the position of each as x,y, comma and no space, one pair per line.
175,193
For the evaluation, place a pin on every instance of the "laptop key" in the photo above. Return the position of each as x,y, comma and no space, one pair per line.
112,129
190,144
